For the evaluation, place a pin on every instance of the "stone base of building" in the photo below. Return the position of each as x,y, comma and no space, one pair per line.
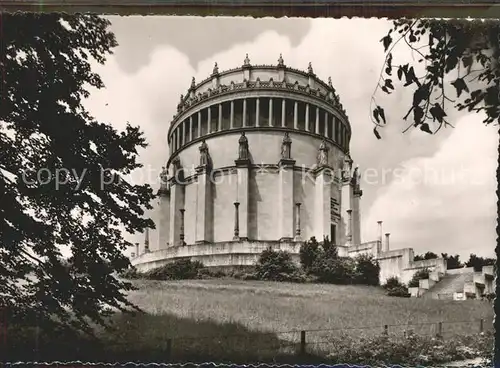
223,254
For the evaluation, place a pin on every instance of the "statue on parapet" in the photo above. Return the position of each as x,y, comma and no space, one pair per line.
164,177
246,62
286,147
323,154
346,171
281,62
204,159
243,147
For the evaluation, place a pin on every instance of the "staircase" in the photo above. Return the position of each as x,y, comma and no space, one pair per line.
449,284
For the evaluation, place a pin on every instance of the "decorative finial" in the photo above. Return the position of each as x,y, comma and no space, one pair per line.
281,61
216,69
330,82
310,68
246,61
193,83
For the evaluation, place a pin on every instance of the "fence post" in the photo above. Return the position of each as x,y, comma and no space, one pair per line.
169,350
481,325
386,329
439,334
302,342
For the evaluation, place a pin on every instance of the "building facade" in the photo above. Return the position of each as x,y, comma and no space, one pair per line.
259,157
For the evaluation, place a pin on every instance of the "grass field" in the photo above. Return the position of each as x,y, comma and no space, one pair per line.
276,307
227,320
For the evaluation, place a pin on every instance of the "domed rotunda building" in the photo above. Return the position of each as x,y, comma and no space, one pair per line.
259,157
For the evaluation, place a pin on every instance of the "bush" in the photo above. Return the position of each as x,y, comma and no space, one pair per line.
489,296
179,270
131,273
367,270
330,250
277,266
309,253
335,271
394,287
392,282
399,291
419,275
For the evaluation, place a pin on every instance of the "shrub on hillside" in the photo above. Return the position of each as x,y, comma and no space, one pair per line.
419,275
309,253
131,273
278,266
179,270
367,270
394,287
329,249
335,270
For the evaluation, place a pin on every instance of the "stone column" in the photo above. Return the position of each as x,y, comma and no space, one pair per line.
286,202
317,121
146,240
379,240
349,227
326,125
176,203
270,111
203,206
182,128
283,112
244,112
323,194
137,249
209,120
164,215
190,128
257,111
334,129
307,117
295,116
356,215
231,118
181,235
236,221
219,123
178,132
387,241
199,123
297,230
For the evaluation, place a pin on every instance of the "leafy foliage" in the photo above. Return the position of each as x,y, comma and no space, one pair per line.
428,255
422,274
395,287
54,160
479,262
277,266
461,54
309,253
367,270
452,262
182,269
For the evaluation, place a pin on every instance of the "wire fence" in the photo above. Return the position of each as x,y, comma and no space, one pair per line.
319,340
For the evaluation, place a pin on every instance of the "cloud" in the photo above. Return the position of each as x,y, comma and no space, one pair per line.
349,51
446,202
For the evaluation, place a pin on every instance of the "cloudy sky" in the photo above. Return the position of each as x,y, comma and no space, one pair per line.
433,192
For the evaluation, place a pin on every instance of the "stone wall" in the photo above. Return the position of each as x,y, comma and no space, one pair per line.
231,253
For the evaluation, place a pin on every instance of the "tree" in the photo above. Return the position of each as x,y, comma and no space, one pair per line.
452,56
452,262
479,262
62,176
426,256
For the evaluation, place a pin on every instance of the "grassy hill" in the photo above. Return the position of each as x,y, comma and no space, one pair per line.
274,307
227,320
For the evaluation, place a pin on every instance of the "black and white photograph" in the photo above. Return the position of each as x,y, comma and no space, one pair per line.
184,189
